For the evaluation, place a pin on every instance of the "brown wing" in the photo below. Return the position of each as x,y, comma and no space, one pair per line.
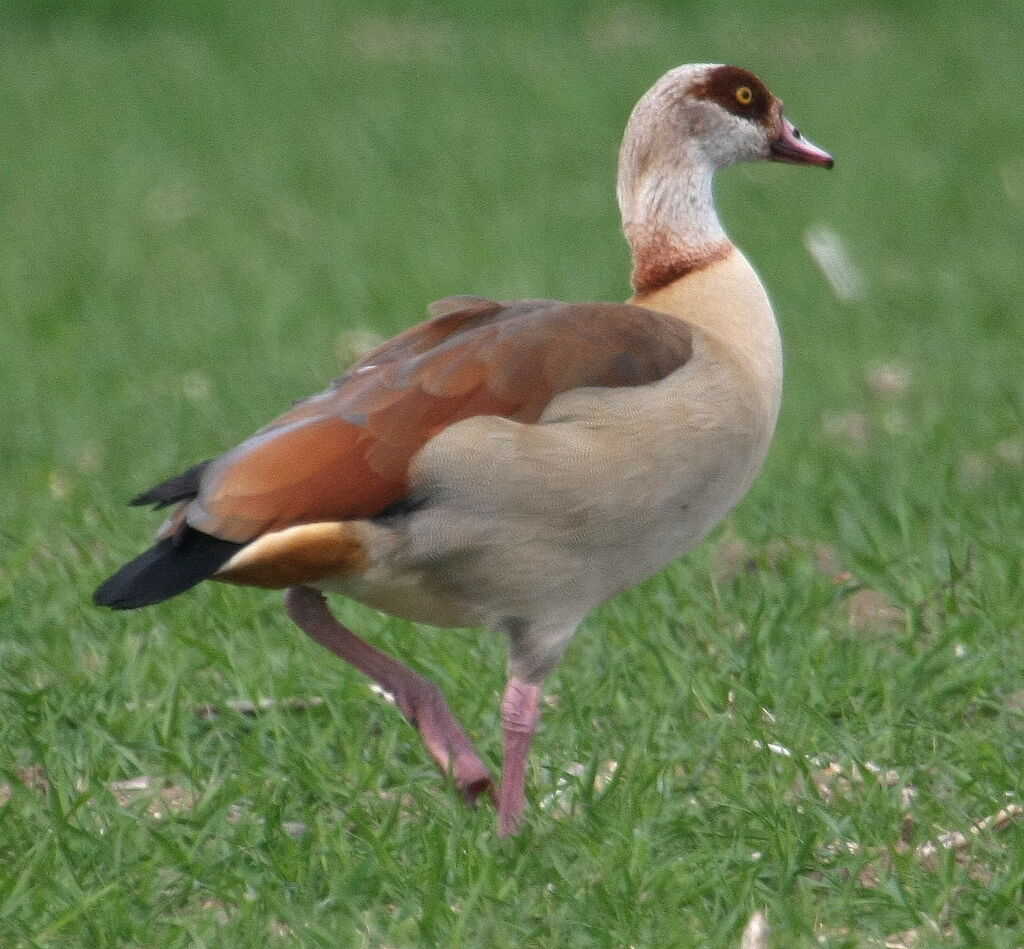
345,453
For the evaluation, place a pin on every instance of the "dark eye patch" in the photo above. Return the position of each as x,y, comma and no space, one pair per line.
722,85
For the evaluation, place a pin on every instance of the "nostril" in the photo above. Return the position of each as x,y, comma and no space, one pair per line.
796,133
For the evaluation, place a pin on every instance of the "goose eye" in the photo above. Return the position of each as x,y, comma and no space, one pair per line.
744,95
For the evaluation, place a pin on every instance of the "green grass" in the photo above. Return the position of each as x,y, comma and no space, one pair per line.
202,201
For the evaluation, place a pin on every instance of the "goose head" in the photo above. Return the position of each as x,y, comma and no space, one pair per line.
693,121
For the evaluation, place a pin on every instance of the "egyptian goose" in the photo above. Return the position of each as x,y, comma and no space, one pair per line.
513,465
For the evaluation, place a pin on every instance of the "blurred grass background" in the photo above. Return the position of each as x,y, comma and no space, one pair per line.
202,204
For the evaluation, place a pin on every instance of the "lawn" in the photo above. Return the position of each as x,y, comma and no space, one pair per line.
208,209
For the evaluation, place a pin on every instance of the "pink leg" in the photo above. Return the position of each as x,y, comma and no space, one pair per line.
520,713
418,698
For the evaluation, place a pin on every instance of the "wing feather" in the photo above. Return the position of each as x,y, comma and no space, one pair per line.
345,453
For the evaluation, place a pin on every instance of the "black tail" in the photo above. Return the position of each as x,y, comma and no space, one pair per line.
172,566
181,487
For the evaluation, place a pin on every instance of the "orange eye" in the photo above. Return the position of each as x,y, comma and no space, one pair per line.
744,95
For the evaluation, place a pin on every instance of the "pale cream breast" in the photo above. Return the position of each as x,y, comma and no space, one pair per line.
727,302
